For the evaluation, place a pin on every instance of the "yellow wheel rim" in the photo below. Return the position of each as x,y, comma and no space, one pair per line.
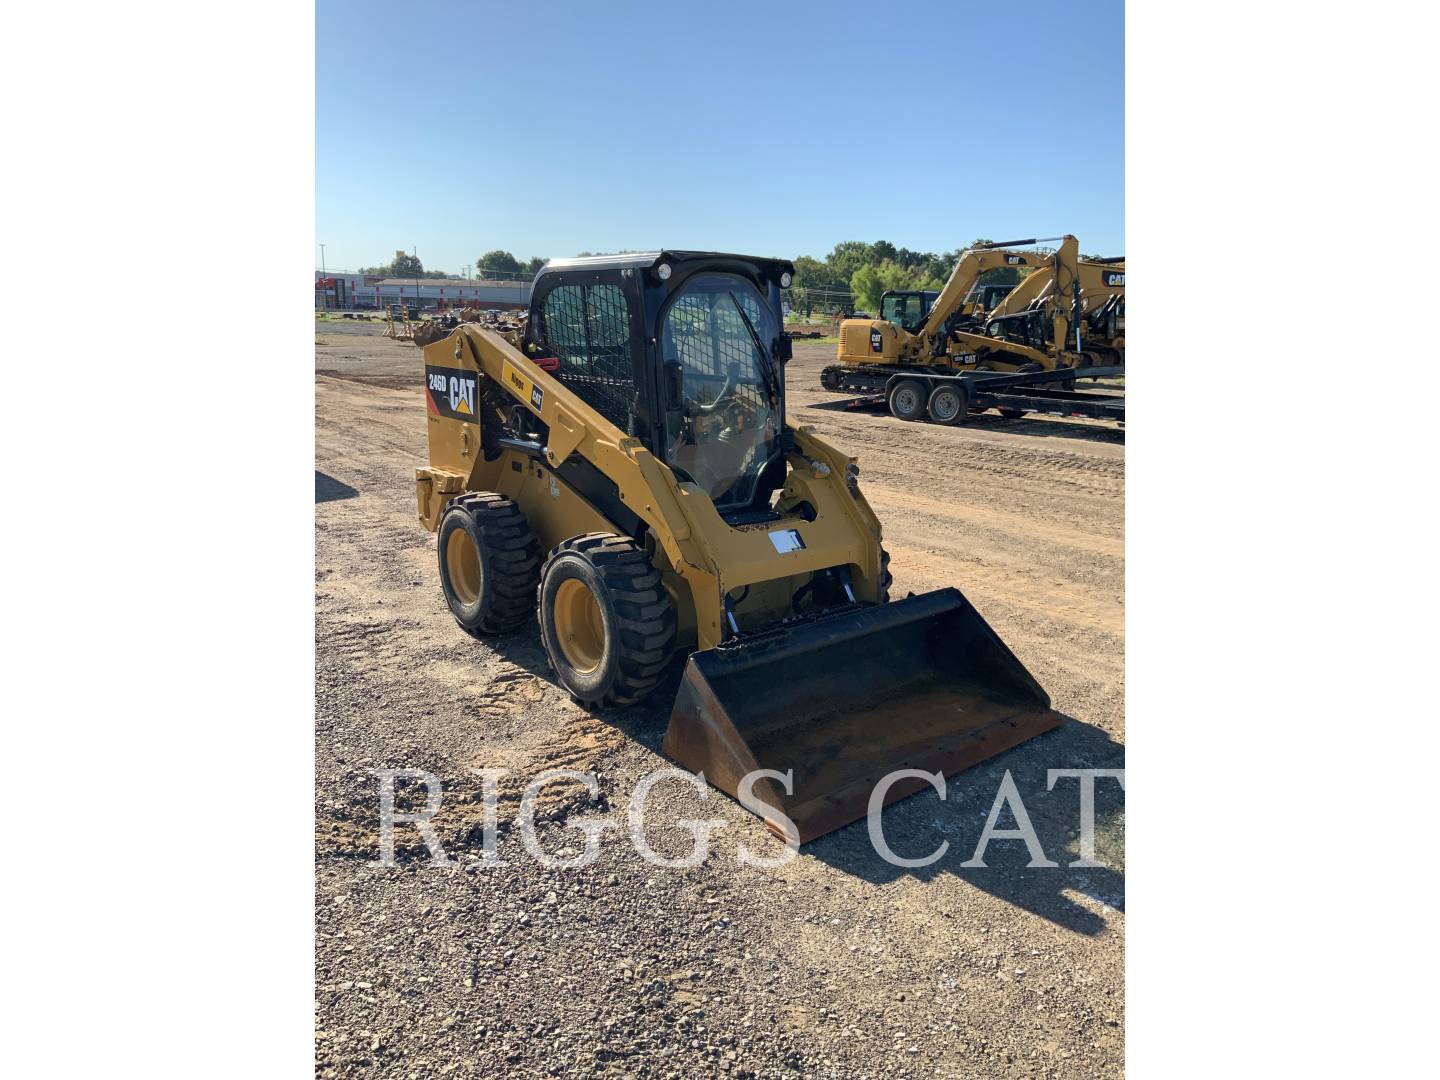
462,563
579,626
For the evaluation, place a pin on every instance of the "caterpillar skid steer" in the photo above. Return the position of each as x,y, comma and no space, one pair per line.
628,469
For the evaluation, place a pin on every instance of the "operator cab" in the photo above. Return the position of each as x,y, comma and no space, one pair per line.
988,297
684,350
907,309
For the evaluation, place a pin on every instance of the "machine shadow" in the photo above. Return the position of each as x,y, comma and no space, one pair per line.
916,826
644,722
328,489
990,421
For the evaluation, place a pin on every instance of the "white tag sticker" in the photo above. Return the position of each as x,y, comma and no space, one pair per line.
787,540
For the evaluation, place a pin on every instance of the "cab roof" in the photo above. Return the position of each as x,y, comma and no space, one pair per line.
646,260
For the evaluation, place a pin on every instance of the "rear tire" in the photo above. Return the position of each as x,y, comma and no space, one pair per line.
907,400
489,563
948,404
606,621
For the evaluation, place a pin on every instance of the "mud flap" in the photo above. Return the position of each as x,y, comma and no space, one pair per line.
921,683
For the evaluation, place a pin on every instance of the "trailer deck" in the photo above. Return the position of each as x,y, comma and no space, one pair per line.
911,393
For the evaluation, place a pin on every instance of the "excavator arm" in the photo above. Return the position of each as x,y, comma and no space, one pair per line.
972,264
1098,282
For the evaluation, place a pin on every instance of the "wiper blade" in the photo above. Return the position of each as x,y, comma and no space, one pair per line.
772,382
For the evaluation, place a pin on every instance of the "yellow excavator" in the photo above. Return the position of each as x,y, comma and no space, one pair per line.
1102,307
627,470
1048,334
908,308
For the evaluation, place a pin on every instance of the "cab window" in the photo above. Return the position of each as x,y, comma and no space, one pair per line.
720,332
587,328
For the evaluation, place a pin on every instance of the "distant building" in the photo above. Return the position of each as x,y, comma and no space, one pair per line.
338,291
357,292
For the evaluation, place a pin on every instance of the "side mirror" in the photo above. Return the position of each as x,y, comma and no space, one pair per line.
784,349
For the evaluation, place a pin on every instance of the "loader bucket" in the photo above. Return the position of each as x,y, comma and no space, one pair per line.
921,683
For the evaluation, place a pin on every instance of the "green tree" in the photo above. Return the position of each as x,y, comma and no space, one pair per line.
534,265
497,263
404,265
850,255
870,282
814,274
865,284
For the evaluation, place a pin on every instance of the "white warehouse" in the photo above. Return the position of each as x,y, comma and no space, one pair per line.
339,291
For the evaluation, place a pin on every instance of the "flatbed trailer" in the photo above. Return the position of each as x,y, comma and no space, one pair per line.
951,397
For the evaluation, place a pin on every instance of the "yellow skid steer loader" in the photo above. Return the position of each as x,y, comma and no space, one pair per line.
628,470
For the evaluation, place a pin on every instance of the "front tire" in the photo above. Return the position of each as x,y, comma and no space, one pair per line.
489,564
606,621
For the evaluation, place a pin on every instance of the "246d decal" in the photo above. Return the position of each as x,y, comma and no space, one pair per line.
450,392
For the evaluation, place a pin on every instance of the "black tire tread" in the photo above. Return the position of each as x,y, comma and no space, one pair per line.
646,631
514,555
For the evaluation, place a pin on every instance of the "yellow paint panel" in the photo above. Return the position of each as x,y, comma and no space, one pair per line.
516,383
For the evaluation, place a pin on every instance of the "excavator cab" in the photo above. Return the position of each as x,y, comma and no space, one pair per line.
906,309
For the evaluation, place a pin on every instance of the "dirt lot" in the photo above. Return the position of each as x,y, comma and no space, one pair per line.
836,964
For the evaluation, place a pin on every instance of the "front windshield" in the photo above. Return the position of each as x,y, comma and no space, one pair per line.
719,329
904,310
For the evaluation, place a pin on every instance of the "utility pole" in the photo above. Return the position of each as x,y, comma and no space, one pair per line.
324,275
416,257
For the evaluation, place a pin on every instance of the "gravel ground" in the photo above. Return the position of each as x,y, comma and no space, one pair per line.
834,964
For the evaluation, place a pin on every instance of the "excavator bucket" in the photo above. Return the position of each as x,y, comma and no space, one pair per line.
921,683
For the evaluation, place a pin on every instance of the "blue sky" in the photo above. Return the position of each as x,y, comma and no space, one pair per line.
549,128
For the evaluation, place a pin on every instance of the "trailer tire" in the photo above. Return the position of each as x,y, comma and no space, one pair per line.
1013,414
489,563
606,621
948,404
907,400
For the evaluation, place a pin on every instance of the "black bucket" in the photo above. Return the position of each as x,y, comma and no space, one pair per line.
922,683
